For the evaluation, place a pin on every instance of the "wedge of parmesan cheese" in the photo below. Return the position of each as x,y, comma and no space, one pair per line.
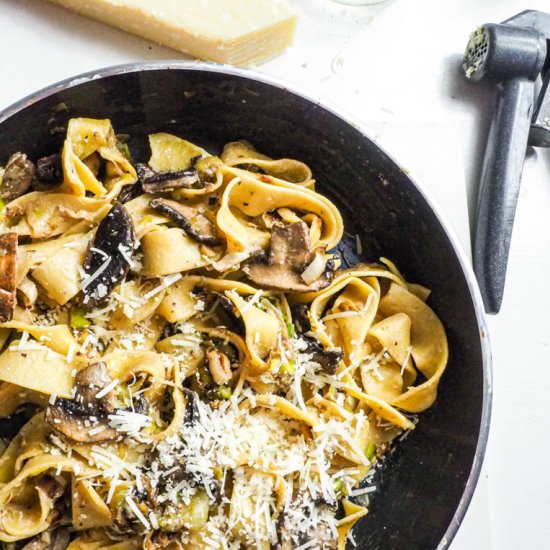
237,32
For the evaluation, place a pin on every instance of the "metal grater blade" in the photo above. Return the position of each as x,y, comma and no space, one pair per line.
475,54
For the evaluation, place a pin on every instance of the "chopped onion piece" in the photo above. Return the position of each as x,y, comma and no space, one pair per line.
315,269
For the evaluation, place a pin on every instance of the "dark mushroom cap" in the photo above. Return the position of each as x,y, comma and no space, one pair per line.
19,174
113,245
129,192
300,318
49,172
73,421
327,358
289,255
90,381
72,418
154,181
195,224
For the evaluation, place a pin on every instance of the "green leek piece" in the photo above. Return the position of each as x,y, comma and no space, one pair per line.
224,392
339,485
288,367
291,330
370,451
77,318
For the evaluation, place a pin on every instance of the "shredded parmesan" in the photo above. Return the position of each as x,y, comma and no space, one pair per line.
166,282
91,278
97,430
126,254
363,491
71,352
128,422
252,301
341,315
138,513
111,386
358,245
404,365
154,521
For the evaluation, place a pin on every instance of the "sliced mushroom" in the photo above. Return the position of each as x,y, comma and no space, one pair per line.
130,192
219,366
50,487
49,172
90,381
108,259
327,358
140,404
73,421
161,181
223,307
289,255
8,275
229,309
191,408
290,245
300,318
19,174
52,539
195,224
84,419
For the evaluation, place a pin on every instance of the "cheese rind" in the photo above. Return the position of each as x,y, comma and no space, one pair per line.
236,32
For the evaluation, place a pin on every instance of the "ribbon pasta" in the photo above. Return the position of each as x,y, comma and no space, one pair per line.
180,337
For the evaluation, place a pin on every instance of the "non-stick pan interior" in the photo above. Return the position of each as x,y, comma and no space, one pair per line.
421,484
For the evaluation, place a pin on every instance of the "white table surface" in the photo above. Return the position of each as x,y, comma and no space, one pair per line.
396,69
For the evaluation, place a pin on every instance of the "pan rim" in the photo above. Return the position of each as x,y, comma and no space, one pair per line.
363,129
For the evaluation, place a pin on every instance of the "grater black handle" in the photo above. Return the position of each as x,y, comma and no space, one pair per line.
499,187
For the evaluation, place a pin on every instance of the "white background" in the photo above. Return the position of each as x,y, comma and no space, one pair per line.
396,68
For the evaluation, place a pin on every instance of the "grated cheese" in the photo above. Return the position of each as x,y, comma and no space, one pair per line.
24,339
363,491
358,245
252,301
112,488
341,315
112,385
407,357
126,254
368,302
100,252
166,282
154,521
97,430
91,278
127,422
96,313
138,513
71,352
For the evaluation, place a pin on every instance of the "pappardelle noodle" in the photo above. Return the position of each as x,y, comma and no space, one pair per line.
188,360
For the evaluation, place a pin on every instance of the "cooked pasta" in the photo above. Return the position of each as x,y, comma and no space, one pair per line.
189,360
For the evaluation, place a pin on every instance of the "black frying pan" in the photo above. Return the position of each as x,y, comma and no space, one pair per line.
425,486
